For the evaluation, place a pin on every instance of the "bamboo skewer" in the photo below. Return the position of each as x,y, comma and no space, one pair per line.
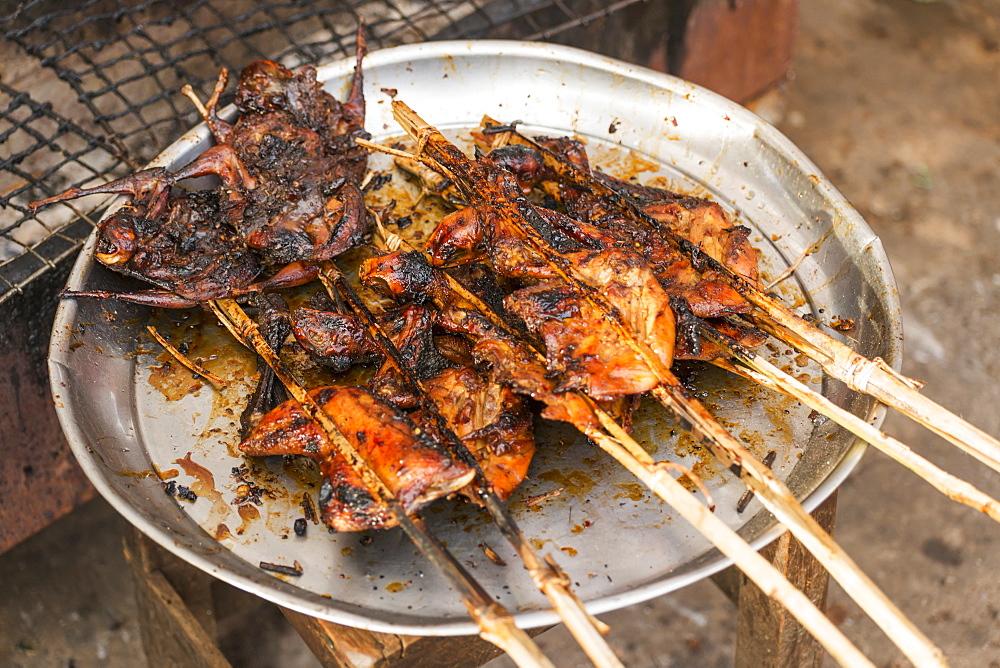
756,568
763,372
545,573
616,441
774,495
876,378
495,623
873,377
183,359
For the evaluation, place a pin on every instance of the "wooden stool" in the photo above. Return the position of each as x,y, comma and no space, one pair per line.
180,608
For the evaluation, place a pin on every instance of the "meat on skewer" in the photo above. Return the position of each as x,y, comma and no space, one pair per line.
512,362
486,417
415,468
491,421
701,221
289,197
275,325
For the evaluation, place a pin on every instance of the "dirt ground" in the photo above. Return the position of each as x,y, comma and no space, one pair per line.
897,102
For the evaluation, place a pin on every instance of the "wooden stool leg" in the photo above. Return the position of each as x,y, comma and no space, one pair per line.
180,609
339,646
767,635
176,611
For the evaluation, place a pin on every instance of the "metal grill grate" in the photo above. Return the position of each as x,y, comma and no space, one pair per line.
92,92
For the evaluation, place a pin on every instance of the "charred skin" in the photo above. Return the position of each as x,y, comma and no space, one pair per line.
188,245
513,363
491,421
298,142
583,349
415,469
290,170
699,220
411,332
274,323
191,250
405,276
334,340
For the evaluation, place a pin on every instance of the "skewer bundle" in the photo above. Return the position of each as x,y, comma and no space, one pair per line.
520,221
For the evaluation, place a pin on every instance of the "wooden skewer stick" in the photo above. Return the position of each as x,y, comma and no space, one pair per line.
620,445
545,573
773,494
873,377
876,378
495,623
187,363
763,372
758,569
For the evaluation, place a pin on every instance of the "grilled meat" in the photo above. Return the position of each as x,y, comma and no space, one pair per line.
289,197
188,245
701,221
512,362
297,141
491,421
335,340
585,350
275,325
415,469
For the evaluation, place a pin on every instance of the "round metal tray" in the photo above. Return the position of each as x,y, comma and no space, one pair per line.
619,545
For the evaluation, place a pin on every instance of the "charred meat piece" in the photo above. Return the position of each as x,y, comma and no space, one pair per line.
274,324
334,340
191,249
477,233
586,351
705,224
512,362
491,421
405,276
289,168
297,141
411,331
455,349
308,218
186,244
692,345
701,221
414,468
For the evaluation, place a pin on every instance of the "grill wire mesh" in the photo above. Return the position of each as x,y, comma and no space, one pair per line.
91,91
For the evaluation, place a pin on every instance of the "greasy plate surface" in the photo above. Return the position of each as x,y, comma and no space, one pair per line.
618,545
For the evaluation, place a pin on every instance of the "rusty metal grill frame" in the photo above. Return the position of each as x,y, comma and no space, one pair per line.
90,93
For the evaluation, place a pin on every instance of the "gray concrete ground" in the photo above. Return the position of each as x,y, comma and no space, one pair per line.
897,101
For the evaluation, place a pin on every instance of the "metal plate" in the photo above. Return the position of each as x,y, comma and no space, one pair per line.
619,545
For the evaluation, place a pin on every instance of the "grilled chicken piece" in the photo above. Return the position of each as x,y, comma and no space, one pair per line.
491,421
586,351
476,233
334,340
700,221
415,469
297,141
513,363
407,276
411,331
707,225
